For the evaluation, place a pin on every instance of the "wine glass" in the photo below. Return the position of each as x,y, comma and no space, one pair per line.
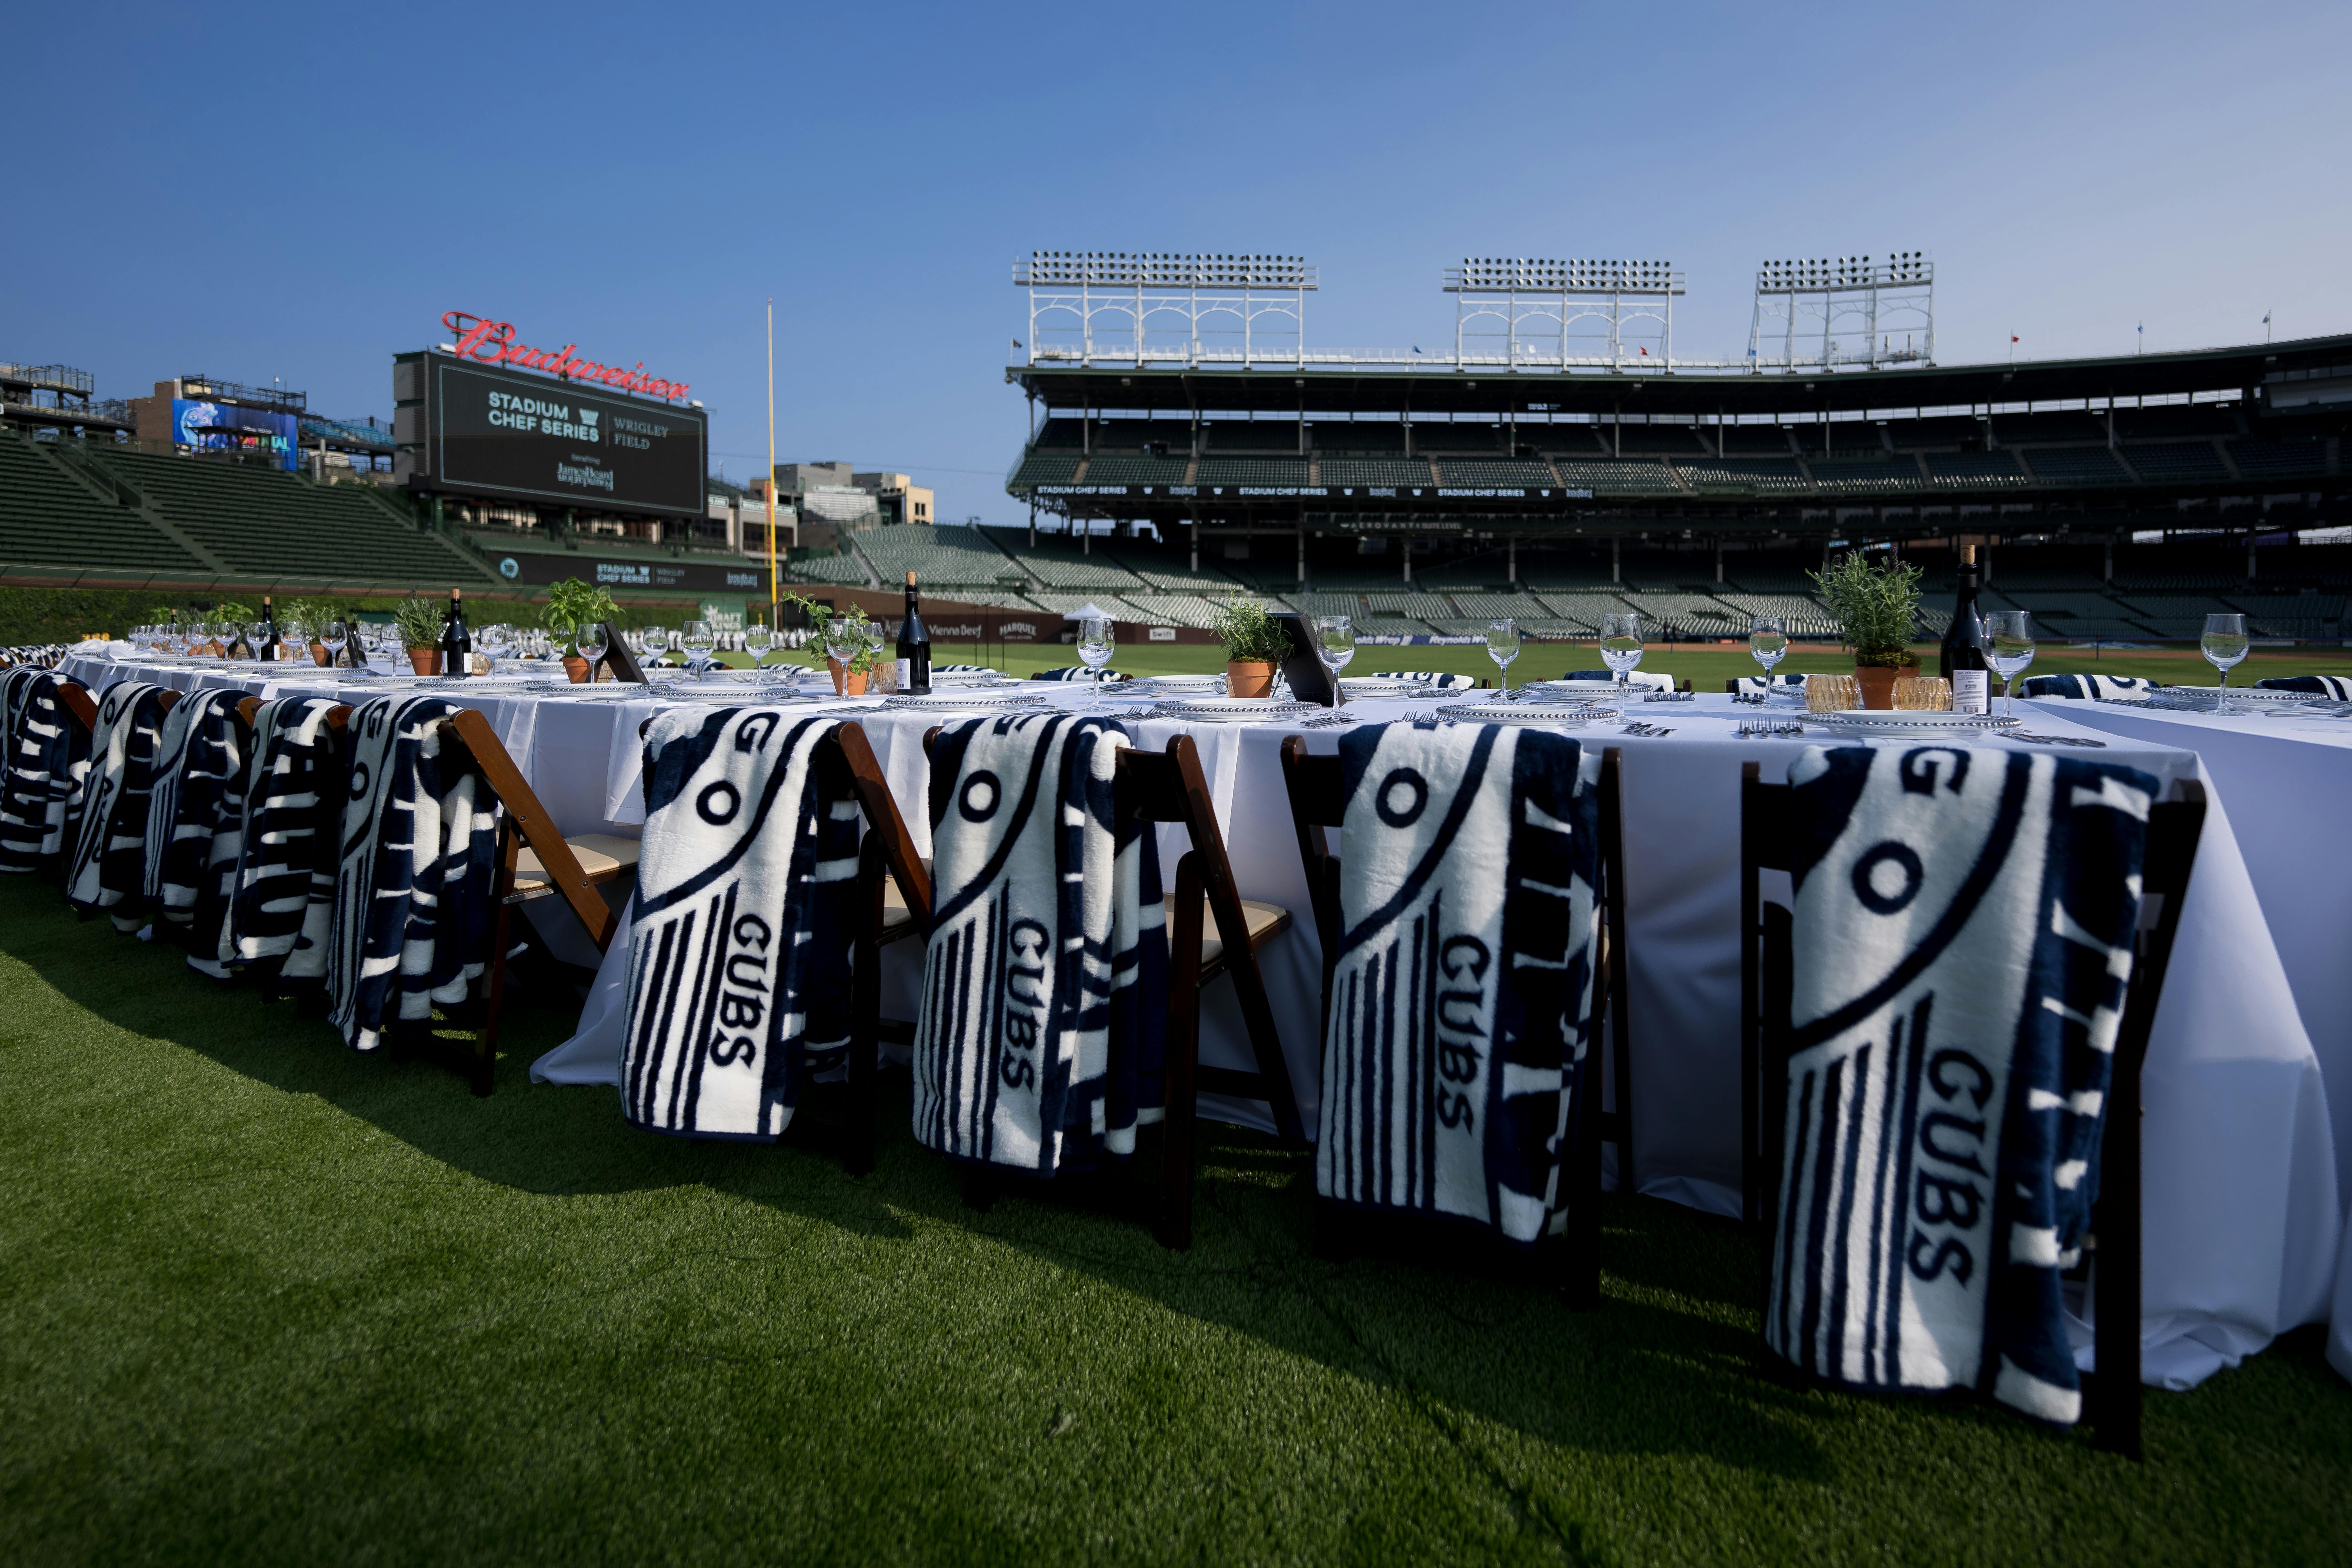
2223,644
2010,634
332,636
492,640
696,638
759,641
1620,645
588,638
843,641
1503,646
1335,645
1097,642
1767,643
877,639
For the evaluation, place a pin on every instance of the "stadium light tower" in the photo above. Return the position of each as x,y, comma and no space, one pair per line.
1504,295
1167,304
1875,296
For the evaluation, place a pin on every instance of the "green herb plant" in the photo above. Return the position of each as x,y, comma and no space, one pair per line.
418,621
1878,607
823,617
573,601
1251,634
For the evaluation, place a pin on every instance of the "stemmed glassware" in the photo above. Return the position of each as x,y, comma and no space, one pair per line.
2010,634
1096,643
696,639
1620,645
2224,645
333,634
588,636
1503,646
877,639
492,641
1768,643
843,641
1335,645
759,641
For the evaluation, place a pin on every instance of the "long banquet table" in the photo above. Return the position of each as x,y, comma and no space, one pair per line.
2244,1212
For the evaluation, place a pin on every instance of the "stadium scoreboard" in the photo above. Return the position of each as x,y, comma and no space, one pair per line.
471,430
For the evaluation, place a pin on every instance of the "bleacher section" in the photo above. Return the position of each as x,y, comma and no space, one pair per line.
1853,475
1456,473
2076,466
1630,477
51,519
1047,468
1173,610
942,559
2177,462
1975,471
1121,470
843,570
267,526
1251,471
2279,460
1743,476
1385,472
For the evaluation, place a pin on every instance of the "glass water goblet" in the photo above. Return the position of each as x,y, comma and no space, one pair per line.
759,641
1335,645
1767,643
1097,642
2010,634
1503,646
1620,645
696,640
877,639
843,641
588,638
334,636
2224,646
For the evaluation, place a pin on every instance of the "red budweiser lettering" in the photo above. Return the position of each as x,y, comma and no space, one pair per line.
493,342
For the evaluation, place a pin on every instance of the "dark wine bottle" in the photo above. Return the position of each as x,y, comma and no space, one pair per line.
270,647
1962,655
914,646
456,646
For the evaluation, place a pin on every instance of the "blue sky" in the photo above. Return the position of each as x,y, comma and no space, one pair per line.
302,192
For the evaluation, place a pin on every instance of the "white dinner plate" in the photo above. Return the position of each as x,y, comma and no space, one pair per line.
1235,709
1900,722
961,702
2196,698
1174,684
1522,713
1383,686
1572,691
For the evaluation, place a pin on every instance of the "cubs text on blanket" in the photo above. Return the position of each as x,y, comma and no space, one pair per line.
281,891
1962,940
413,876
1462,997
195,808
2086,686
739,935
48,758
1043,1030
108,870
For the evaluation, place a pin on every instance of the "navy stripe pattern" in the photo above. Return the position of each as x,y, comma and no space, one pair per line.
1963,937
2336,686
108,868
48,758
286,856
739,945
2084,685
195,813
1757,685
1042,1032
1462,1000
413,876
1078,672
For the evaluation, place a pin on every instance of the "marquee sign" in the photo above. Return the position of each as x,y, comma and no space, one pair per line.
486,341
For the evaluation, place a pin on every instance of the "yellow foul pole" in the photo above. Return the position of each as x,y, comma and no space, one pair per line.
774,599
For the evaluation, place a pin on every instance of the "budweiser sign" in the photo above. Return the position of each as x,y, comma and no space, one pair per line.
486,341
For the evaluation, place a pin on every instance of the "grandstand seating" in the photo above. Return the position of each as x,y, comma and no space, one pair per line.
2076,466
1250,436
1251,471
1689,615
2175,422
1480,473
2176,462
1420,606
1628,477
1480,440
1059,562
1381,471
1369,438
1497,606
1123,471
1846,476
1047,468
1658,441
1134,435
2263,458
1389,626
2070,428
942,558
1172,609
1755,441
1582,610
1800,616
1742,476
50,516
843,571
1974,471
269,525
1325,604
1166,566
1068,435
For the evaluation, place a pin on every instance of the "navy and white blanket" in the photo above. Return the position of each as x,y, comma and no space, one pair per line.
1078,672
2336,686
2086,686
414,876
108,868
1042,1030
48,758
1657,680
739,937
196,812
1964,925
1758,686
1438,678
1463,994
282,890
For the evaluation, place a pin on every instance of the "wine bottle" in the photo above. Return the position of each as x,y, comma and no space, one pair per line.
1962,654
914,646
271,646
457,647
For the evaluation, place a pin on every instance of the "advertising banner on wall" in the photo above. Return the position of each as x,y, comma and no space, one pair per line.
223,426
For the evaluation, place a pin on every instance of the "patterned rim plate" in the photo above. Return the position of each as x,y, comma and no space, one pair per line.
1553,690
966,678
1523,714
2196,697
938,699
1884,721
1233,710
1176,683
1379,686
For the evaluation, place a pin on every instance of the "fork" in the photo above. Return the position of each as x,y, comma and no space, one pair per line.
2055,740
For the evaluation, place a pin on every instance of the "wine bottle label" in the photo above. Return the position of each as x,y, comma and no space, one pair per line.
906,674
1971,691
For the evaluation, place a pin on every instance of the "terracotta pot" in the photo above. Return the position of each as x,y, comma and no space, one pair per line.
1250,678
424,660
318,654
576,667
844,683
1877,683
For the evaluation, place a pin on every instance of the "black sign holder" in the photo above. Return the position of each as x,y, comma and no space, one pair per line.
618,658
1303,667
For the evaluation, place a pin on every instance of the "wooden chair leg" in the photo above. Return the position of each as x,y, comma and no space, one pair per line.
494,999
1178,1154
864,1013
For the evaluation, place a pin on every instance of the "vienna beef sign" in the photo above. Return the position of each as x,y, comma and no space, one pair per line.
486,341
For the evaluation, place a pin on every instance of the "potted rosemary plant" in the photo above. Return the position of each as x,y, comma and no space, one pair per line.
1255,646
1877,605
569,604
848,680
418,621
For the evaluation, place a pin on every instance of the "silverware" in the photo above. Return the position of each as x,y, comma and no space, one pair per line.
1646,730
2054,740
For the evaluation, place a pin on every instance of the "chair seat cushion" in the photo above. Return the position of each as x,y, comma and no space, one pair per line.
601,855
897,918
1265,920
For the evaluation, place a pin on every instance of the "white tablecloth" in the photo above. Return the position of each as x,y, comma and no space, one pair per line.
2243,1208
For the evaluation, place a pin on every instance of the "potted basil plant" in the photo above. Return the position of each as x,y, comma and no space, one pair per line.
1255,646
570,604
1878,607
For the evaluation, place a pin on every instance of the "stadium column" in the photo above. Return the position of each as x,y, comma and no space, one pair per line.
1511,556
1302,548
1616,573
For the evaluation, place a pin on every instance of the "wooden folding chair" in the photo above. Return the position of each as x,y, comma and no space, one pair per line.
897,905
1318,802
1767,981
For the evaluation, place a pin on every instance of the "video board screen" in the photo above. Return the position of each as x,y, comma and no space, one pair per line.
222,426
494,432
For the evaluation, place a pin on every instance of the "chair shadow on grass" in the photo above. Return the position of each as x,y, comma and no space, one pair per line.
1670,1363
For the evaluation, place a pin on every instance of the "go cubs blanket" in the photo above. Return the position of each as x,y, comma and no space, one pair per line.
414,875
47,757
1964,923
2084,685
109,864
1463,994
739,938
2336,686
198,799
294,802
1042,1032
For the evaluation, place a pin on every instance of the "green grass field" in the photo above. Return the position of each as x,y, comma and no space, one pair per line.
263,1301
